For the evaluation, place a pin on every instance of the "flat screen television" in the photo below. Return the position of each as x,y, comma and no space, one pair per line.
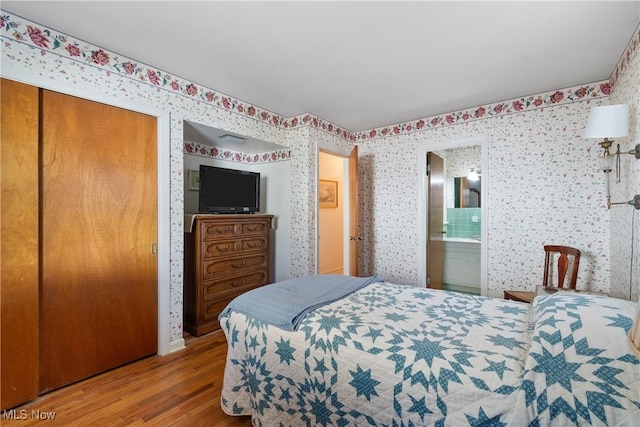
227,191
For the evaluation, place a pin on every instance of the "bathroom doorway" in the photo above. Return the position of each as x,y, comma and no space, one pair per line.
463,227
462,219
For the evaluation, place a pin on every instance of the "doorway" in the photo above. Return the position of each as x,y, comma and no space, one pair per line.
464,262
462,219
330,214
337,214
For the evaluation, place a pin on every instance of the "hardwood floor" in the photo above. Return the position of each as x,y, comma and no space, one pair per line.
181,389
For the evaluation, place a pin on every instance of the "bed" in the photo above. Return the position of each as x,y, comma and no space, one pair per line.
387,354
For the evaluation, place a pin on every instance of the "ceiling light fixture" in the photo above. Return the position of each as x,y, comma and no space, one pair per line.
227,137
474,174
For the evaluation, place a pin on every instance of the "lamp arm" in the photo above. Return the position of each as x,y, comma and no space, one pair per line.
635,152
635,202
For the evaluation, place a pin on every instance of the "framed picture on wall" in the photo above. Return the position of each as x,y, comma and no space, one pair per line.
193,178
328,193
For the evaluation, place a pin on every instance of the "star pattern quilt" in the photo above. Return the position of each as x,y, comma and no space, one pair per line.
397,355
580,369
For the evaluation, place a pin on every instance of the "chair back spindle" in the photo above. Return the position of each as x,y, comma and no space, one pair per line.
565,256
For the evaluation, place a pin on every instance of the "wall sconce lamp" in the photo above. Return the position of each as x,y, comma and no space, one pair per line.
611,121
474,174
608,121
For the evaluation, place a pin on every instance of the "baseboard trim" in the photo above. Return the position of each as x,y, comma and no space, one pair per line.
176,345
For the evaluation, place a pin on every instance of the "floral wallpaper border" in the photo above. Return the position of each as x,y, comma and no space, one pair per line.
204,150
51,41
518,105
630,51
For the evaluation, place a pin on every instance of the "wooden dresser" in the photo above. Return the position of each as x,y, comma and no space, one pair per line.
225,256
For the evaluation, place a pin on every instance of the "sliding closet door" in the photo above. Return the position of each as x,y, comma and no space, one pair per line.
99,223
19,244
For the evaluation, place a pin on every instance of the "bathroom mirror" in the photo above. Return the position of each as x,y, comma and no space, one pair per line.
467,193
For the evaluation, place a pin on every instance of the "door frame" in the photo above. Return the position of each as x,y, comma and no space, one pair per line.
423,199
334,151
163,148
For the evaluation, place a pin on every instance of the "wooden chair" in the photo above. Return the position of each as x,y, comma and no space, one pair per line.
566,257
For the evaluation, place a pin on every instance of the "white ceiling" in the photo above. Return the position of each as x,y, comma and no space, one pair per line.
361,64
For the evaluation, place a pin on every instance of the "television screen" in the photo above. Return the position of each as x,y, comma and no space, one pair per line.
228,190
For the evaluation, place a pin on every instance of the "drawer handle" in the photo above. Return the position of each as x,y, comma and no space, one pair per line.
219,248
255,227
254,244
235,285
238,266
222,230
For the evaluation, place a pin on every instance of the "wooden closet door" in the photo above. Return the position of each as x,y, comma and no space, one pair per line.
99,221
19,244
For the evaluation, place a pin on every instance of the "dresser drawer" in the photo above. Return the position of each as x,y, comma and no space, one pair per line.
211,267
229,229
213,248
211,309
213,289
218,247
253,227
218,229
254,243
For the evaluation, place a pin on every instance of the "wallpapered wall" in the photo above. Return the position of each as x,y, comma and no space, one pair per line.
543,189
45,52
625,221
458,161
544,184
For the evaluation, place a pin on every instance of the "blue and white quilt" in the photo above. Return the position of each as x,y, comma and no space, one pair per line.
385,355
580,369
396,355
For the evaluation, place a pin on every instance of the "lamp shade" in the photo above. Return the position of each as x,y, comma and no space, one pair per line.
608,121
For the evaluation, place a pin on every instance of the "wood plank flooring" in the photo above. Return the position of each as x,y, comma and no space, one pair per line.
181,389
